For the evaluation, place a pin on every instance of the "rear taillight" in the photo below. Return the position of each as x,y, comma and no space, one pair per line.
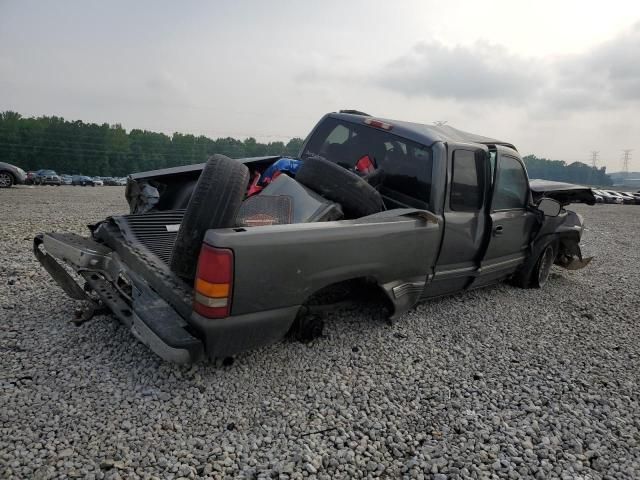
214,282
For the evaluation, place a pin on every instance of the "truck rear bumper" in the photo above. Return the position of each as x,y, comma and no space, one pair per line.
150,318
227,336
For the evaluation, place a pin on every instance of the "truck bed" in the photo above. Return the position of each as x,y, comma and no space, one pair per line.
155,231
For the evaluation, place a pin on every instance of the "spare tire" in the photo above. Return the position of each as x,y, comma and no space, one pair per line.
335,183
214,204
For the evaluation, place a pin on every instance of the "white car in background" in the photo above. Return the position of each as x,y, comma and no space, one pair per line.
97,182
614,197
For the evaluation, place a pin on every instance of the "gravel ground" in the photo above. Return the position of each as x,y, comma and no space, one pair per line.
499,382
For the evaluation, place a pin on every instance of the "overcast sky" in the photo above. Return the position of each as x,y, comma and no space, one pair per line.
556,78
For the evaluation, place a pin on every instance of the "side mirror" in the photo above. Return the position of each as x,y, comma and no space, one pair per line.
550,207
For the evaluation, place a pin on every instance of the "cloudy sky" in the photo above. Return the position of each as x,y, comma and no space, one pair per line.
557,78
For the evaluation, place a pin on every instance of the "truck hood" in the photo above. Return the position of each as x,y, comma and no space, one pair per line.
565,193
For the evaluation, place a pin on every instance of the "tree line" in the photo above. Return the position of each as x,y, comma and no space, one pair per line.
76,147
559,170
108,150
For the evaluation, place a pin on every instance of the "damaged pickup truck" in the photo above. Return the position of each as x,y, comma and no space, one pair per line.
226,256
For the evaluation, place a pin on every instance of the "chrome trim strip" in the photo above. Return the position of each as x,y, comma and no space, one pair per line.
476,271
503,264
406,288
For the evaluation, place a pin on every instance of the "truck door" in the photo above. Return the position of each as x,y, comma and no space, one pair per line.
465,220
510,220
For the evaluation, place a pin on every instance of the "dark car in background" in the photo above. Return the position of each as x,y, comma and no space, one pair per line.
30,177
110,181
82,180
11,175
47,177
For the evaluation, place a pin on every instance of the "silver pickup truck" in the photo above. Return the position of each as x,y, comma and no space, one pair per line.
229,255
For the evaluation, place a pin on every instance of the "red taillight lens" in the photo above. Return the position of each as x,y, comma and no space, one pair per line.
214,280
378,124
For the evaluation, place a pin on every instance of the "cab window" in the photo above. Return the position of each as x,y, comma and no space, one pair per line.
406,166
512,187
467,185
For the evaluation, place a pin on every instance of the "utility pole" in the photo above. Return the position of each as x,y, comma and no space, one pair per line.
594,158
625,161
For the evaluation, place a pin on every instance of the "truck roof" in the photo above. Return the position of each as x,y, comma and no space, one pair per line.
426,134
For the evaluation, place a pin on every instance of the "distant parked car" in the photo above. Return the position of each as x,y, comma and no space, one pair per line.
617,195
611,197
109,181
628,198
47,177
82,180
97,182
66,179
11,175
30,177
122,182
598,196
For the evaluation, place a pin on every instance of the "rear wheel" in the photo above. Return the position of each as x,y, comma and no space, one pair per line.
6,179
307,326
214,204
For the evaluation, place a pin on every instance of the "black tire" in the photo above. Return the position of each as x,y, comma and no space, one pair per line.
535,275
6,180
307,326
335,183
540,273
214,204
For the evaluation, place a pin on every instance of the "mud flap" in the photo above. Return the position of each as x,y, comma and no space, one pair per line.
573,259
577,263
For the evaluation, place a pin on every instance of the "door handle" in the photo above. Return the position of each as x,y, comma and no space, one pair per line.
498,230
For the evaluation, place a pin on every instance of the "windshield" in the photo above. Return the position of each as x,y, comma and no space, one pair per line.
405,165
48,172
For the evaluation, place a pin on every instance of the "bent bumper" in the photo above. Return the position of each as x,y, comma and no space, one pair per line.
150,318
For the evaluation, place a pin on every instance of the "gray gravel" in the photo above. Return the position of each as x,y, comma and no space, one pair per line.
499,382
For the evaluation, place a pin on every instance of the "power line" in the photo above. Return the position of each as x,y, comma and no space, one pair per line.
625,161
440,123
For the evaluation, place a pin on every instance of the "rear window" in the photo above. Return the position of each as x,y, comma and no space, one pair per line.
406,165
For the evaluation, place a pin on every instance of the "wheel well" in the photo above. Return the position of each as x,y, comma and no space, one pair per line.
328,298
10,173
568,248
360,289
